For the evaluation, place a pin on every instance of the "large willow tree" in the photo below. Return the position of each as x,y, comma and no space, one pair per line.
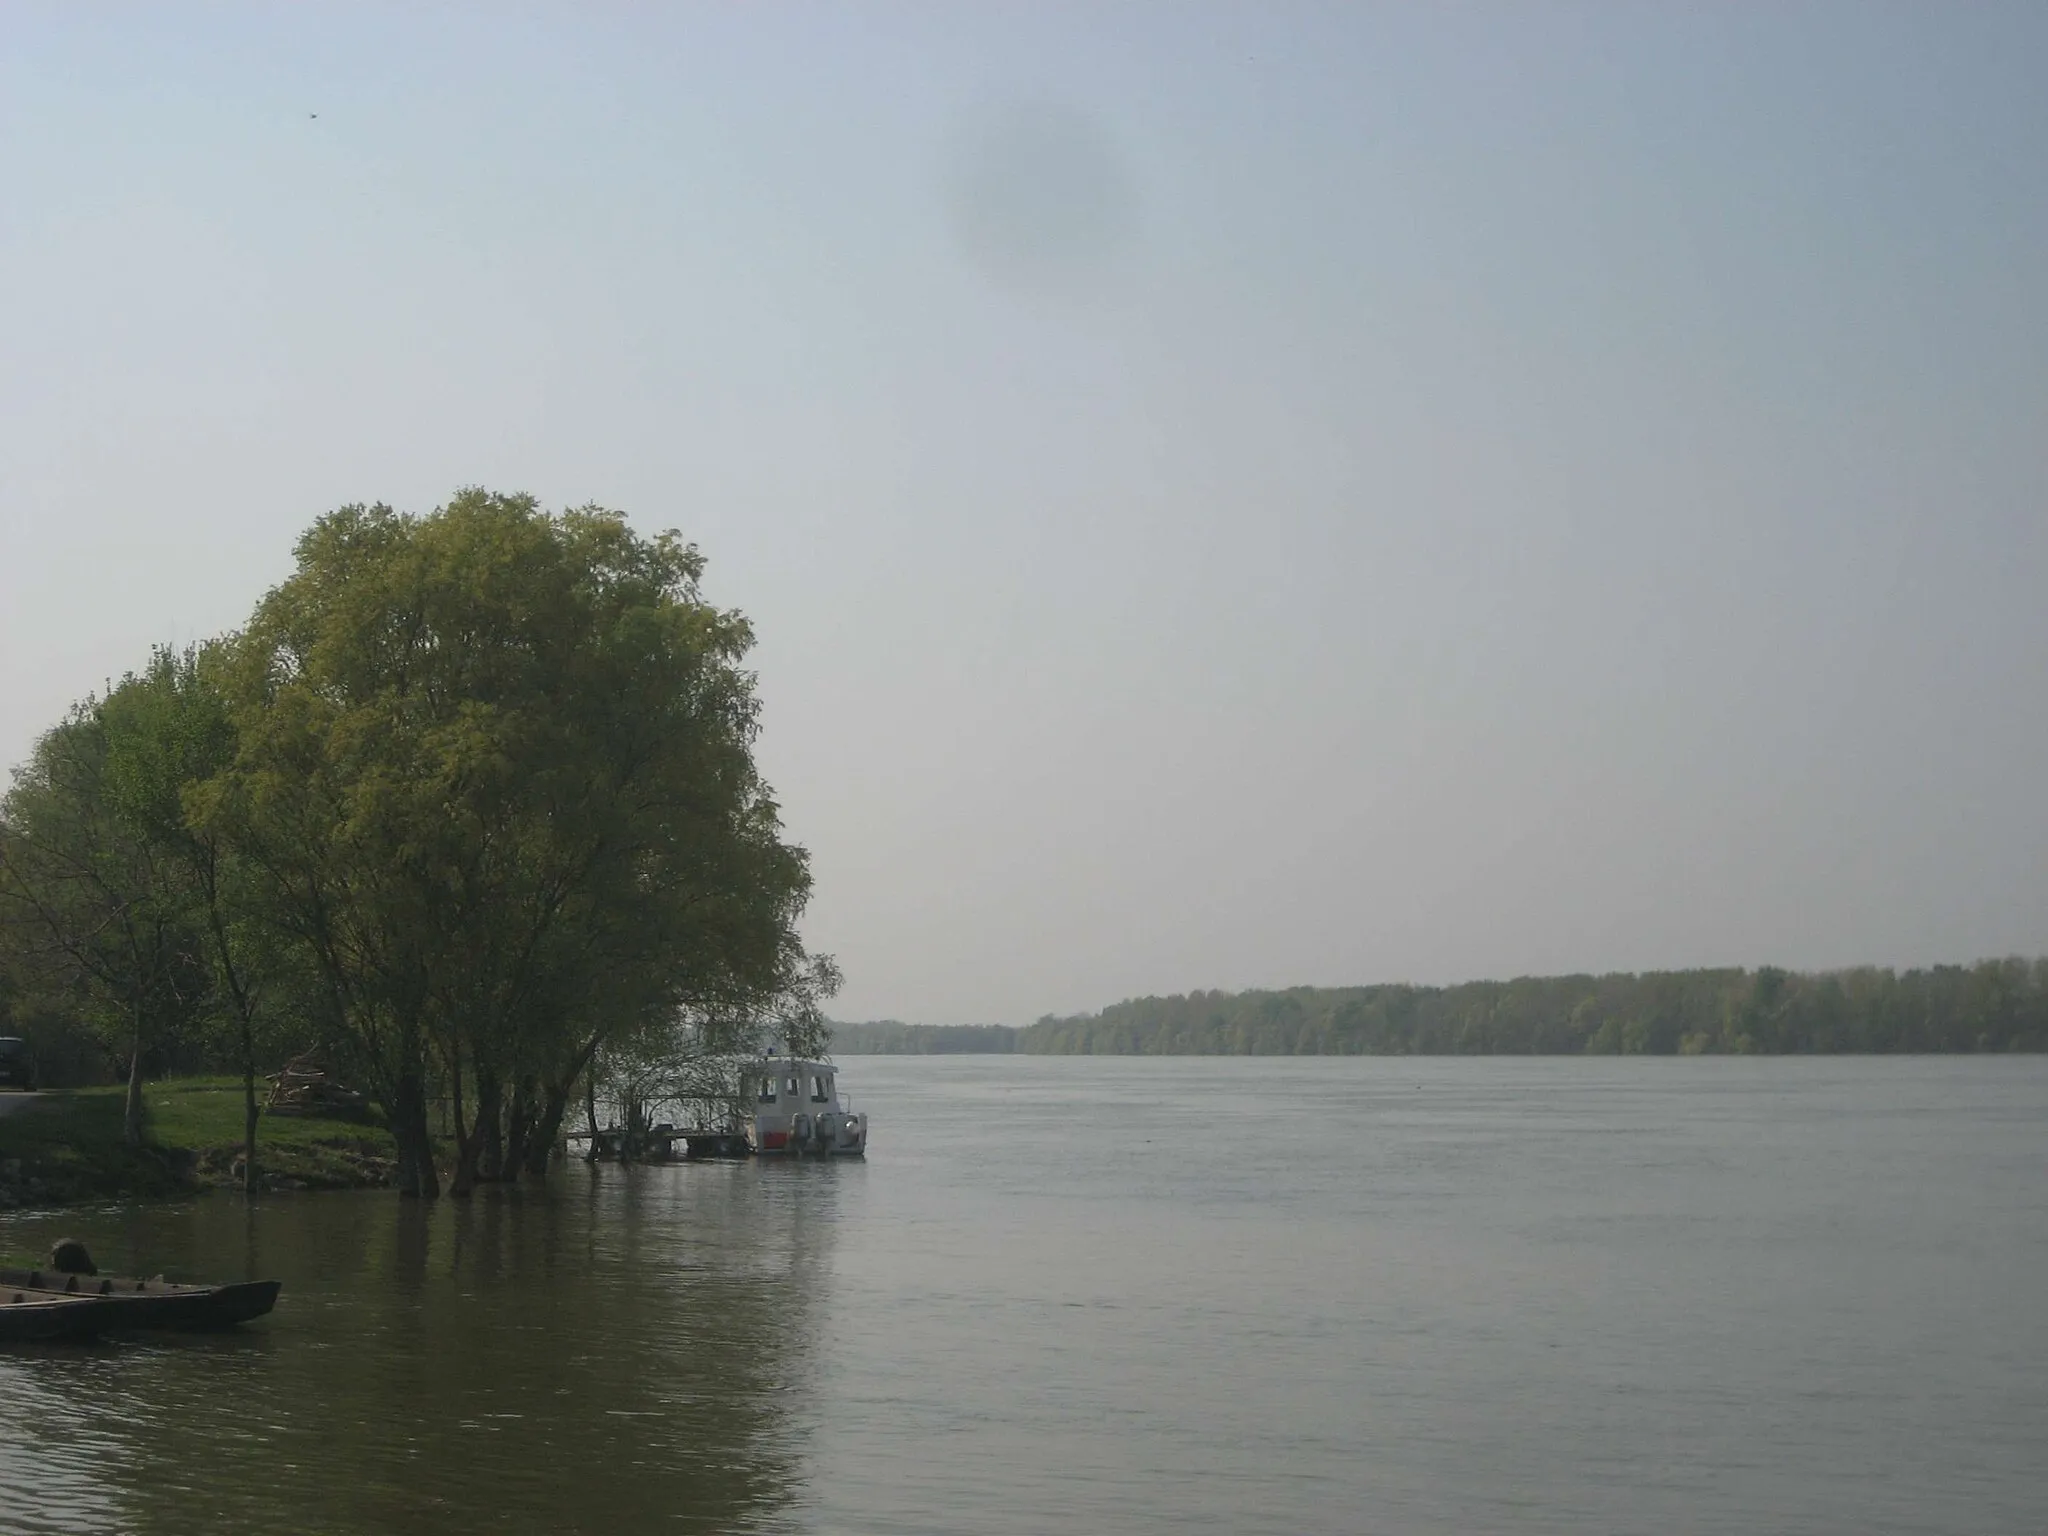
495,774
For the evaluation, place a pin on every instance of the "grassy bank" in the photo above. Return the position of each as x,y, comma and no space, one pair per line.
63,1148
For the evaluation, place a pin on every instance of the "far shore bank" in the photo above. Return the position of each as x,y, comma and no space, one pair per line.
1992,1006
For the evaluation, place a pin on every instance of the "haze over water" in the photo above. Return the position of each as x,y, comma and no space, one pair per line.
1425,1297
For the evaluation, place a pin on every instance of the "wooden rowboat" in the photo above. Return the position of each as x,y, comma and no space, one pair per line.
144,1303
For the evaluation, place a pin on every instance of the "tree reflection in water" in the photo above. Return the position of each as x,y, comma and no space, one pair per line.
627,1350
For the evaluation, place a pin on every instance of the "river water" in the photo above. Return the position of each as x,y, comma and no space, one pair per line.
1125,1295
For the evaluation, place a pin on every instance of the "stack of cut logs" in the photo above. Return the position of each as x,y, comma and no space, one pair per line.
303,1086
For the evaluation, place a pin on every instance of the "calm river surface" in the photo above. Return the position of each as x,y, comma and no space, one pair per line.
1120,1295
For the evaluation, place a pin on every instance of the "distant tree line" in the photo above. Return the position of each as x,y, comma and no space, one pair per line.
469,805
888,1037
1994,1005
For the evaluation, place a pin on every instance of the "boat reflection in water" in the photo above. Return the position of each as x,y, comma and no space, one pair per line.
625,1350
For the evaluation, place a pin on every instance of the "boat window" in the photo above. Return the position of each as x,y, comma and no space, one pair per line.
767,1090
821,1090
791,1085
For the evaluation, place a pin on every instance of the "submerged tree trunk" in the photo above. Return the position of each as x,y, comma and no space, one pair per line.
463,1181
518,1126
131,1111
540,1147
468,1144
455,1096
632,1127
490,1125
417,1179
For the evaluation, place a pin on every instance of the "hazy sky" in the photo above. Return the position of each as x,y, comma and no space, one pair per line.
1231,495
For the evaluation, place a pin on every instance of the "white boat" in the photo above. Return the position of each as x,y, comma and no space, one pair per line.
793,1108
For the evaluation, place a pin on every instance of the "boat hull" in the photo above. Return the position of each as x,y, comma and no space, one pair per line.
36,1317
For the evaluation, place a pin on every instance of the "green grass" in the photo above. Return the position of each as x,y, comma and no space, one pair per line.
66,1146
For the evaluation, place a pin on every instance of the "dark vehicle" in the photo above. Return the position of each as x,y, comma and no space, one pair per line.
17,1065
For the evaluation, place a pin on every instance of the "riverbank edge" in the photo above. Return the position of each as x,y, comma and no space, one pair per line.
64,1147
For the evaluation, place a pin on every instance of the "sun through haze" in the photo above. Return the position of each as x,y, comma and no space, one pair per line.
1229,495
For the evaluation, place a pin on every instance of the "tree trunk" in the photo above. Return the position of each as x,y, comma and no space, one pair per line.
465,1176
131,1111
590,1109
249,1175
452,1103
541,1145
518,1125
490,1124
468,1144
230,973
632,1127
417,1179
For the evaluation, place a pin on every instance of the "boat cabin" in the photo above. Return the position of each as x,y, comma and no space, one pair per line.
792,1105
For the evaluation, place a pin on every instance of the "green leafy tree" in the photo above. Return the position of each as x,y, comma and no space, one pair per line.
93,896
494,774
168,729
